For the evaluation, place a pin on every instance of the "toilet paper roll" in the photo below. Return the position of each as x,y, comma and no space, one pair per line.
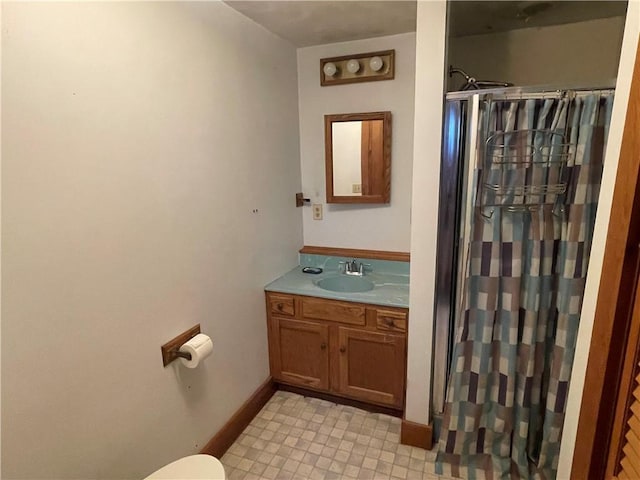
200,347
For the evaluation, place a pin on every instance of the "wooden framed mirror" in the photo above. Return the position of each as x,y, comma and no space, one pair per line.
358,157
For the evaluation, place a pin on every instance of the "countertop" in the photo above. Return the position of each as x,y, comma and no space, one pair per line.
391,289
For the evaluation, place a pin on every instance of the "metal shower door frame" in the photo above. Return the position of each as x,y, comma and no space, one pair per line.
456,191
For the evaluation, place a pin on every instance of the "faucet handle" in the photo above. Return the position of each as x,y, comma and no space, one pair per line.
345,266
362,267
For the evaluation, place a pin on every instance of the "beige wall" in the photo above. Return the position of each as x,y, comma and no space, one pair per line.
138,138
583,53
430,47
376,227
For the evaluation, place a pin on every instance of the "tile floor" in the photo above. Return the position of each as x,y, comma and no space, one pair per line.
296,437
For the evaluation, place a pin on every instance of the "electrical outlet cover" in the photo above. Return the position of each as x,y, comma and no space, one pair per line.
317,211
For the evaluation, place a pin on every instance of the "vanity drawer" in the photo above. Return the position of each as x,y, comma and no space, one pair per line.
282,305
391,321
334,311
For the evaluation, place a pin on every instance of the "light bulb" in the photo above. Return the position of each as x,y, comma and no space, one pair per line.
376,63
329,69
353,66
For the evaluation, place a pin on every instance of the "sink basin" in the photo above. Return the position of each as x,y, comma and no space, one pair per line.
345,283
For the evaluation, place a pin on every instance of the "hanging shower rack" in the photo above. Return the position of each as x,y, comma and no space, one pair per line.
523,170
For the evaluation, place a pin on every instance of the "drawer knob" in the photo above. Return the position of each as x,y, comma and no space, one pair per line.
323,346
389,322
280,307
343,349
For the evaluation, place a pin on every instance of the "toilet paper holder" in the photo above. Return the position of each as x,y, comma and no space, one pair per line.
171,349
180,354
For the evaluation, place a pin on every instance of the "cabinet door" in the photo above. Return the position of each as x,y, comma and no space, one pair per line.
372,366
301,352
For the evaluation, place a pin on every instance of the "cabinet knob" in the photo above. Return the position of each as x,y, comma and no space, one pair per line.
390,322
280,307
323,346
343,349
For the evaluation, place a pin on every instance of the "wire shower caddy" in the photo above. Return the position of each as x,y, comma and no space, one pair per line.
524,170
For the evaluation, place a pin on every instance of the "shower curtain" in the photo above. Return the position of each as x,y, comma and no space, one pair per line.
515,342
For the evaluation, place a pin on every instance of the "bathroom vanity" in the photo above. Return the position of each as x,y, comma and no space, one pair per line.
347,344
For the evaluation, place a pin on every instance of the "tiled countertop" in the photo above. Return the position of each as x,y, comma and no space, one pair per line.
391,281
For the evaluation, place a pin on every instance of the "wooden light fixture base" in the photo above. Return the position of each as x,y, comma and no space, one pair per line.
364,74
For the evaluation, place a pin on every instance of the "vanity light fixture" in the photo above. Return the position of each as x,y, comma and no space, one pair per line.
361,67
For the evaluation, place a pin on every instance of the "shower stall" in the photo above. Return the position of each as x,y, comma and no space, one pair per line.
519,184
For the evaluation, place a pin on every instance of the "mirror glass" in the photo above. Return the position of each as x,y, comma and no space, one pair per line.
358,159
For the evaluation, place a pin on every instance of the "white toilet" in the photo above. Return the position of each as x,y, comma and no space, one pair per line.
194,467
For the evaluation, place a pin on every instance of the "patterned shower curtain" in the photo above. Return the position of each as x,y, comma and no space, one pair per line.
515,342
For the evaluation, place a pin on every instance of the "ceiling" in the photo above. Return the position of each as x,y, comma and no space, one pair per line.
306,23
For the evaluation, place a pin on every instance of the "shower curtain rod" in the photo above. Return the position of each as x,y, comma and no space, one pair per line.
545,91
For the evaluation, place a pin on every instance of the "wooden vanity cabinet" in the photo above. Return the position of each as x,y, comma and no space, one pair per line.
347,349
300,352
371,366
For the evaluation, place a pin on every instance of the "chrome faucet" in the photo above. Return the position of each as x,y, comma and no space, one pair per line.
354,268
